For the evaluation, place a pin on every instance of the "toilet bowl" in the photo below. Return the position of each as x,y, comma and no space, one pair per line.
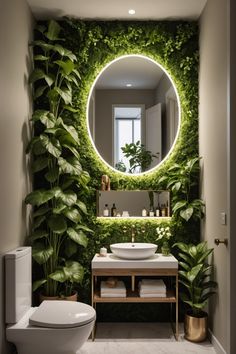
55,327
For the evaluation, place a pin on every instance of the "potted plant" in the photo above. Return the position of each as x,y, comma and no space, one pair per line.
59,180
195,276
164,235
139,157
181,179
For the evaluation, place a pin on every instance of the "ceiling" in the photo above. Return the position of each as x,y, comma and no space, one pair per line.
138,71
118,9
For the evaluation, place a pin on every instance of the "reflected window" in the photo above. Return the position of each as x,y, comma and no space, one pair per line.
127,130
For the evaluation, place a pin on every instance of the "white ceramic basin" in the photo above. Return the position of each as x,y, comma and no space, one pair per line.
133,250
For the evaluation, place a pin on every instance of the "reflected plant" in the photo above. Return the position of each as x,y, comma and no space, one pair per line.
139,158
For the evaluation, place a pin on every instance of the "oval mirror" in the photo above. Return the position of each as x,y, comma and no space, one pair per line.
133,114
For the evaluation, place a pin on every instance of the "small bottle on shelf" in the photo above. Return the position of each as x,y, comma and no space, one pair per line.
113,210
151,212
158,210
106,210
144,211
163,210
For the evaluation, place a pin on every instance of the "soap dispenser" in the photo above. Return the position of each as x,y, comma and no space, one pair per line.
106,210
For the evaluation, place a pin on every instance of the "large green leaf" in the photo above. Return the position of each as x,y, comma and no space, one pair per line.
45,117
39,197
83,227
36,235
53,31
39,91
65,94
70,248
57,223
72,214
71,166
70,129
193,273
187,213
67,66
74,271
42,253
41,211
73,150
42,44
59,275
82,206
68,197
52,175
40,164
41,57
51,145
179,205
64,52
39,74
38,221
38,283
77,236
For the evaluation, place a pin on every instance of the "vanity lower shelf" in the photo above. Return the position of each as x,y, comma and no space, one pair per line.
133,296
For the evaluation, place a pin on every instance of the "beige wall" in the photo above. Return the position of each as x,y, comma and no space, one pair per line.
213,149
15,62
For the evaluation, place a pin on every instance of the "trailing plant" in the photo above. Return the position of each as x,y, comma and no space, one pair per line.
180,179
140,159
58,228
195,276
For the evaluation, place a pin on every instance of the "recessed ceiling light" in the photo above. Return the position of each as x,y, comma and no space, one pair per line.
131,11
128,85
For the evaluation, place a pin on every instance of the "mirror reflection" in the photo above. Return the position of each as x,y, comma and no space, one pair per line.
133,114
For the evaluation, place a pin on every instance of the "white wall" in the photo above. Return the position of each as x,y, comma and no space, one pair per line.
213,149
15,63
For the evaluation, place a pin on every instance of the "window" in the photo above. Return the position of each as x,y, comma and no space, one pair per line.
127,130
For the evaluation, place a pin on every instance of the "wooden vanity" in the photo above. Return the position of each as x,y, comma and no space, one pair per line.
157,266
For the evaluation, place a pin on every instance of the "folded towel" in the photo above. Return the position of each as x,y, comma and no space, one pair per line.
118,289
152,295
152,284
146,291
113,295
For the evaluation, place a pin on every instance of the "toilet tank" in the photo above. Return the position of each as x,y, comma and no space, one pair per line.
18,283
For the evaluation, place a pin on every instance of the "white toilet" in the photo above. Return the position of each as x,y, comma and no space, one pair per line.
55,327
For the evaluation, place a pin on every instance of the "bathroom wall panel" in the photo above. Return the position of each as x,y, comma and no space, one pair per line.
213,149
16,24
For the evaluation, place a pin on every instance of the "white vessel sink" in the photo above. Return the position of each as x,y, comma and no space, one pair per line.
133,250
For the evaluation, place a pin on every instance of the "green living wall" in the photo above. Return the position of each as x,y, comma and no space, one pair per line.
174,45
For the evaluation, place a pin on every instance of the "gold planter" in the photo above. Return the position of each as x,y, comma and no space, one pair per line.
195,328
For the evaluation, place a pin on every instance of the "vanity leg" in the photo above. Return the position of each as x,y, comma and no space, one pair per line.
177,308
132,283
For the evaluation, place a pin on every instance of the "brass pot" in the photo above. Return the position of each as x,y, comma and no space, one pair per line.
195,328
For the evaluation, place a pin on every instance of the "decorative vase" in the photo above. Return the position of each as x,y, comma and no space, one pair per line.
72,297
165,249
195,328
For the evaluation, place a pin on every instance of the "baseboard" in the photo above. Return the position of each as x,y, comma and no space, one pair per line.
216,344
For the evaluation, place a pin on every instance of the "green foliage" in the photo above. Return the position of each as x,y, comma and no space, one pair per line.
58,210
195,275
94,44
180,179
139,158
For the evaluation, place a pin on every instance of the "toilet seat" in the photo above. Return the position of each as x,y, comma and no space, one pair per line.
62,314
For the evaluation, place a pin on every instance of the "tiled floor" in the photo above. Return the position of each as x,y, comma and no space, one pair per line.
141,338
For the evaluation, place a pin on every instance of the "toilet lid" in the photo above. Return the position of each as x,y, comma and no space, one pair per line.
62,314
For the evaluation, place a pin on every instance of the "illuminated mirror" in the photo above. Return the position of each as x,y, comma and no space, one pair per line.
133,114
